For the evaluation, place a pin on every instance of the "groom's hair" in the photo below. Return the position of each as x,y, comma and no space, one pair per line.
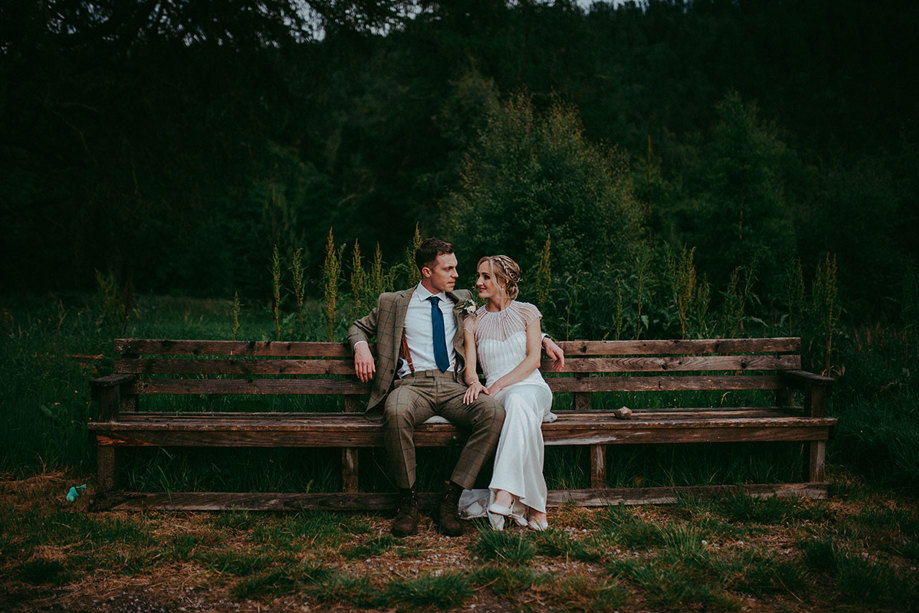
429,249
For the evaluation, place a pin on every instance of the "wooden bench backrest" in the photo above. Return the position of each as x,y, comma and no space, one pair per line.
249,367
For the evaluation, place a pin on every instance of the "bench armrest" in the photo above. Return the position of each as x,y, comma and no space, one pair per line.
107,394
111,381
816,388
802,378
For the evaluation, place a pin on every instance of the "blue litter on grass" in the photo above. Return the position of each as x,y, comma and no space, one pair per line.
74,492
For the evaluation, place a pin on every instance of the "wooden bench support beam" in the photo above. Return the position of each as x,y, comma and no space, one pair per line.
231,501
349,465
598,466
105,462
815,460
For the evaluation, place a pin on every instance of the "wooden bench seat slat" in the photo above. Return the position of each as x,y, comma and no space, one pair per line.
135,346
351,386
172,366
570,421
435,435
677,363
138,346
166,366
682,346
663,384
248,386
335,417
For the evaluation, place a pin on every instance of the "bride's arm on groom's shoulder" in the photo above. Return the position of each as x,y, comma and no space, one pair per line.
529,363
470,376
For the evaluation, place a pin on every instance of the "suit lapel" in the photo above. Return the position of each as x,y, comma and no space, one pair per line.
458,318
399,324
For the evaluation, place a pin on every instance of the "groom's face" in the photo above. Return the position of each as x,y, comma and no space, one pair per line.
441,276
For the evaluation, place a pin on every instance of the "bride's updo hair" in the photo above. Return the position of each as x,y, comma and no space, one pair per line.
505,271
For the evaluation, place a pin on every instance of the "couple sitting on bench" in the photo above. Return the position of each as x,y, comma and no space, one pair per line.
429,340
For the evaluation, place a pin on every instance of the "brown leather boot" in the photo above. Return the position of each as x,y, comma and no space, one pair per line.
448,512
406,521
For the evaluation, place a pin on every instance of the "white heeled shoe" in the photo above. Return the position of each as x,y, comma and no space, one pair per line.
538,526
497,509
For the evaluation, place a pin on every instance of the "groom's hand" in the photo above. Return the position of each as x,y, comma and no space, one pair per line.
363,362
555,353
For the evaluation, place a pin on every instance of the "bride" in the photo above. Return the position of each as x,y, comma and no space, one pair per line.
505,337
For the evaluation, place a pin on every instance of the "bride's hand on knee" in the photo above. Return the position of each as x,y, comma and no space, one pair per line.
472,393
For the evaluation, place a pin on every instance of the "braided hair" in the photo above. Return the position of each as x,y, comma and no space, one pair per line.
506,271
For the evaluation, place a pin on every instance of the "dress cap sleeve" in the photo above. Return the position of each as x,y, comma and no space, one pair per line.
529,313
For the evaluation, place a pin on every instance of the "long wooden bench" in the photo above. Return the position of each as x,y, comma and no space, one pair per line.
792,408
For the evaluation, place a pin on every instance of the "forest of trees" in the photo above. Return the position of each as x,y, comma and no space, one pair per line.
174,143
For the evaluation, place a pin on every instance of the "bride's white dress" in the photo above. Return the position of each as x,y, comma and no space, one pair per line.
500,339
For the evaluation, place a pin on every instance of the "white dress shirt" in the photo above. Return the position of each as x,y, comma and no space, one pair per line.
419,332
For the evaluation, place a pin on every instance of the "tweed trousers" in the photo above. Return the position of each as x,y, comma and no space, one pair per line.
421,395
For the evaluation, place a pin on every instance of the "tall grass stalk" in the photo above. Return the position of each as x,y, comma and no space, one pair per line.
618,309
795,301
414,275
298,275
115,301
735,300
276,288
359,280
235,311
690,296
825,294
378,281
544,273
331,273
643,274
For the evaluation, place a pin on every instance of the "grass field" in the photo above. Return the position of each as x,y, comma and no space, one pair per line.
856,551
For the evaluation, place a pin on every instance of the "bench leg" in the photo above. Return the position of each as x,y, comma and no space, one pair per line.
598,466
349,466
815,461
106,468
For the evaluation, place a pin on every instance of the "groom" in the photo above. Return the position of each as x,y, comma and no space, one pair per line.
419,334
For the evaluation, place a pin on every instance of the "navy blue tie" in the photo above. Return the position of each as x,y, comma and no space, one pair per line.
440,343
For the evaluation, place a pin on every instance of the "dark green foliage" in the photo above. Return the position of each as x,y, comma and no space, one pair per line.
533,174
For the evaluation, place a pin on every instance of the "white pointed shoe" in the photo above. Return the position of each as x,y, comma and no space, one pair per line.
538,526
497,509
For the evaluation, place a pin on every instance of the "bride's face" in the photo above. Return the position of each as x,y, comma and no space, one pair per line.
486,283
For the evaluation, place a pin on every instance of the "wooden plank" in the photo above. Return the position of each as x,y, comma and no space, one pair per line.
105,463
349,469
598,466
676,383
672,495
815,460
249,386
667,418
208,417
437,435
171,366
676,363
695,434
141,346
235,501
341,350
193,366
682,346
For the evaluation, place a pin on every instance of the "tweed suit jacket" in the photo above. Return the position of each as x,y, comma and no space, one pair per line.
385,323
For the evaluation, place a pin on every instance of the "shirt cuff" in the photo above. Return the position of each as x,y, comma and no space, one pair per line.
358,343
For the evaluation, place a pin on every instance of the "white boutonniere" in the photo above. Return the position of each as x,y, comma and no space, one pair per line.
467,306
